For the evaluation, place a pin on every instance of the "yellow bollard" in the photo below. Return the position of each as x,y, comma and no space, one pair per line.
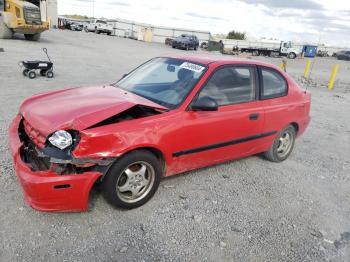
283,65
307,68
333,75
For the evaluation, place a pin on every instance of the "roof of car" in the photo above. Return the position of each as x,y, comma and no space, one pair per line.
210,59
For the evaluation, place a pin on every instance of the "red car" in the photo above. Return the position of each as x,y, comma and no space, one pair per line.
170,115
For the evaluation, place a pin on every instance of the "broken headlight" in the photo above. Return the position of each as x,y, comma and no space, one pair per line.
61,139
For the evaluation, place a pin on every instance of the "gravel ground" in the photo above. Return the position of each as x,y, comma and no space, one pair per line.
244,210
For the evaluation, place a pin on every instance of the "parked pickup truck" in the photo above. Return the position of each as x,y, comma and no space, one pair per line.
99,26
186,42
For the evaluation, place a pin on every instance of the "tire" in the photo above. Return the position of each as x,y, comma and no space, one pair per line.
279,151
195,48
49,74
187,48
30,37
31,74
25,72
173,46
109,33
43,72
116,183
5,32
292,55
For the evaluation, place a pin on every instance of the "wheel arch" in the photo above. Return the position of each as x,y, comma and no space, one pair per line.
153,150
296,126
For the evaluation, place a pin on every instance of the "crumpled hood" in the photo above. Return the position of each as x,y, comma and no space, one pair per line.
78,108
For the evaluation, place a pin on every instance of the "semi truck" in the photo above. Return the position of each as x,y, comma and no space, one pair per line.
23,17
273,49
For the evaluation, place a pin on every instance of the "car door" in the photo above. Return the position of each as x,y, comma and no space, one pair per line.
233,131
280,109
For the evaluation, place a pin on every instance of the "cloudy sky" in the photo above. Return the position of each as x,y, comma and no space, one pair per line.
298,20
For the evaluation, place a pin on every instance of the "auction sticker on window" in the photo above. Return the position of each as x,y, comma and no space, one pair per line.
192,67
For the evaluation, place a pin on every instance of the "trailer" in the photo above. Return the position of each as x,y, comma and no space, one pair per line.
273,49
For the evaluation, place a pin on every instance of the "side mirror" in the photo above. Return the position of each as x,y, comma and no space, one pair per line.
205,103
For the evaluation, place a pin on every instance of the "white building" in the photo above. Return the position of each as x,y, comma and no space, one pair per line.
158,34
49,12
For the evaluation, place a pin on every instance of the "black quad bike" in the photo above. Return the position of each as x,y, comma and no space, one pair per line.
45,67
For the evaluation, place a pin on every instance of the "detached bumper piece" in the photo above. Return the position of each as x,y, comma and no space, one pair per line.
45,188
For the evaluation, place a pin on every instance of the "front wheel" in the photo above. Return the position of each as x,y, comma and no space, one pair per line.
32,37
292,55
132,180
25,72
282,146
5,32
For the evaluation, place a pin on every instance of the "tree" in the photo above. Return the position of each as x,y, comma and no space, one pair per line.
236,35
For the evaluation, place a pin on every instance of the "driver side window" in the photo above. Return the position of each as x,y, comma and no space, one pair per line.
230,85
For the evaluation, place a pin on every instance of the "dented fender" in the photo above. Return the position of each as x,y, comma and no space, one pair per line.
113,141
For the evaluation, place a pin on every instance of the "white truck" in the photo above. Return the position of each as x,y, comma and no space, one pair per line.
273,49
99,26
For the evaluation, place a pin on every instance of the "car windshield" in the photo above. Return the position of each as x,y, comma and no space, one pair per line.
165,81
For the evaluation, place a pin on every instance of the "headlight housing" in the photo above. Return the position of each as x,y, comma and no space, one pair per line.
61,139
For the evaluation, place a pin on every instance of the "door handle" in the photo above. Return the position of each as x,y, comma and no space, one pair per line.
254,116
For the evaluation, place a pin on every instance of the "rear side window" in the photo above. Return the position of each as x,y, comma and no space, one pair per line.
231,85
273,84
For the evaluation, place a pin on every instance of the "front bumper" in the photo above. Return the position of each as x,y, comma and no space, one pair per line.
179,44
46,190
31,29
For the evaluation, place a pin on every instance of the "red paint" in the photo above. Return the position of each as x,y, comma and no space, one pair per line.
169,132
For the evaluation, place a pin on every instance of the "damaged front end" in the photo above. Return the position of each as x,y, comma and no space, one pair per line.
41,155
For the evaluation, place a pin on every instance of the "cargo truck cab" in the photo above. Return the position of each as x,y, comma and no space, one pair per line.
288,50
23,17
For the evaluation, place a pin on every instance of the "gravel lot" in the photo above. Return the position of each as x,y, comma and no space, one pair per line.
244,210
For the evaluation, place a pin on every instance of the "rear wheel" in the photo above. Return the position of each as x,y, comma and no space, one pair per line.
43,72
282,146
5,32
256,53
25,72
32,37
132,180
